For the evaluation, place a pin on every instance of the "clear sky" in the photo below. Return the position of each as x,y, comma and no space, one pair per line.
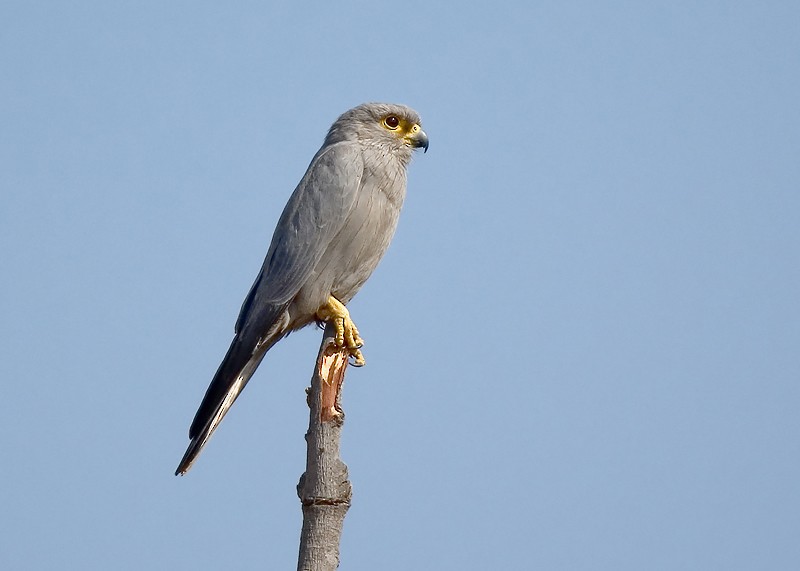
583,347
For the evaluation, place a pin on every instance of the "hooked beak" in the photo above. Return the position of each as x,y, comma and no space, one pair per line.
418,139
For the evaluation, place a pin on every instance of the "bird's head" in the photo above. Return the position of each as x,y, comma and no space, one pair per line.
385,124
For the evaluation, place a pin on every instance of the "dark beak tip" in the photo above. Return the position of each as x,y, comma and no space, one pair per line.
418,140
422,142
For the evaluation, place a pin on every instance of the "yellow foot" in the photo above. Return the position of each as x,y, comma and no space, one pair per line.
347,335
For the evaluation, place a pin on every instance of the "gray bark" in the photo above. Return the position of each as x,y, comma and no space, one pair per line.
324,489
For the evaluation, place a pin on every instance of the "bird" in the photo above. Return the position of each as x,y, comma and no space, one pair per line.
332,233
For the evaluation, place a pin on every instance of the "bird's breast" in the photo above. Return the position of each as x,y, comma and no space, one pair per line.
356,250
365,237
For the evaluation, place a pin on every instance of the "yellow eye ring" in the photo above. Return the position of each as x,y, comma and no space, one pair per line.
391,122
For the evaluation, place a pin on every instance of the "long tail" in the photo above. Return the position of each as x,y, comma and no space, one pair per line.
239,364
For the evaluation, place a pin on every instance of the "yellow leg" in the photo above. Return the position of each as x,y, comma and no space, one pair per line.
347,335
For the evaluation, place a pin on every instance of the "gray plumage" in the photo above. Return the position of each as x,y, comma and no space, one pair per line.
329,239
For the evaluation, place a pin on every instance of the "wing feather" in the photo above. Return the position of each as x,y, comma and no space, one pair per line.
315,213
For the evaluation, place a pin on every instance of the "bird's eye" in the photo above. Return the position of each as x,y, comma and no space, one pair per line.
392,122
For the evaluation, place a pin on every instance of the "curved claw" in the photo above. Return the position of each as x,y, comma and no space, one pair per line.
357,358
346,336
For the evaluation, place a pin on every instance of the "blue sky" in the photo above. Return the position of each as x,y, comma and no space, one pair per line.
583,347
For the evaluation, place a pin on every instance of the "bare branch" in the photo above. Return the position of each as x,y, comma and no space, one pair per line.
324,489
